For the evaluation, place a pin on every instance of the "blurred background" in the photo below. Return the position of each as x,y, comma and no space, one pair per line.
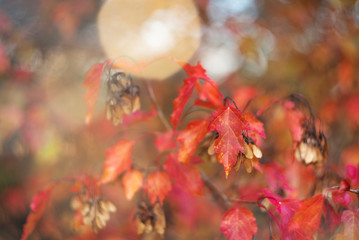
249,47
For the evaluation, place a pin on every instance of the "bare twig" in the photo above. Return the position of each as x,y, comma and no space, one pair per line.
221,199
155,103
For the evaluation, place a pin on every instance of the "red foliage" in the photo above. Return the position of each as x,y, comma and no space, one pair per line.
92,83
38,205
239,223
132,181
186,175
157,185
190,138
229,123
305,222
350,218
118,160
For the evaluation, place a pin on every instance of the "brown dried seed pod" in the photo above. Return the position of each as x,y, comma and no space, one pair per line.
248,151
248,165
256,151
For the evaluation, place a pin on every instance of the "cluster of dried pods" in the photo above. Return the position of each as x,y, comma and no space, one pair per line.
122,97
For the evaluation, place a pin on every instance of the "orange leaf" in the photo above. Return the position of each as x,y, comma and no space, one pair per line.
239,223
229,123
157,186
208,91
118,160
132,181
190,138
180,102
305,221
350,218
93,82
186,175
37,206
256,127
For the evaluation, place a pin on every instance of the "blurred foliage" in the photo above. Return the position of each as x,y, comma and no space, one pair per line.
267,48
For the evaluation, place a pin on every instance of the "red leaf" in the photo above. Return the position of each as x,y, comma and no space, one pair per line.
208,91
132,181
229,123
350,218
180,102
239,223
157,186
305,221
255,126
118,160
190,138
165,141
138,116
186,175
93,82
37,206
275,177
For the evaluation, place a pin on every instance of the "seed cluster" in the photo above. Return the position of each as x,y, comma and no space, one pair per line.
122,97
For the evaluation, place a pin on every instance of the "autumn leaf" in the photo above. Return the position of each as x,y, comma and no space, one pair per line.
305,221
239,223
229,123
158,185
190,138
165,141
350,218
209,92
138,116
93,82
132,181
118,160
186,175
180,102
255,127
38,205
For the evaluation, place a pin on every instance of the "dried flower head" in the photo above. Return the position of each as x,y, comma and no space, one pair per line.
150,218
250,157
312,148
122,97
91,209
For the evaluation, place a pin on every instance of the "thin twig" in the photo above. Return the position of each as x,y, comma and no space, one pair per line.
155,103
221,199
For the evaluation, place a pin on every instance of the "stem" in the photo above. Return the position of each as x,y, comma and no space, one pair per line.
229,98
269,219
221,199
155,103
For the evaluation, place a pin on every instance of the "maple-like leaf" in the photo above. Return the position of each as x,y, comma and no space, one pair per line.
295,120
186,175
190,138
255,127
180,102
93,82
138,116
157,186
118,160
239,223
305,221
132,181
207,92
165,141
37,206
350,218
229,123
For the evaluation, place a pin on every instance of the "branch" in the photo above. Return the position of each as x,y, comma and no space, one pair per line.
221,199
155,103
